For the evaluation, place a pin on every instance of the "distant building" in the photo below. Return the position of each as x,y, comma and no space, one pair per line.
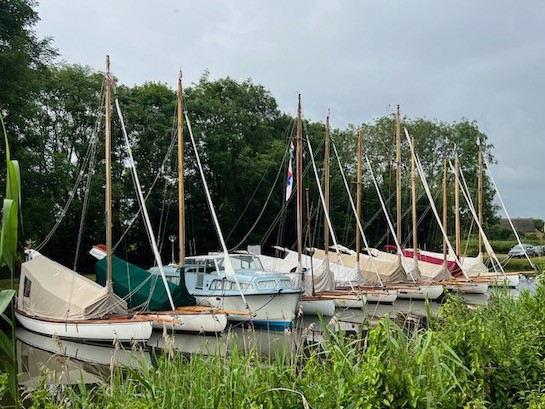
522,225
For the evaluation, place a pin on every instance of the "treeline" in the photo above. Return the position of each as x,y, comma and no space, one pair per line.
53,111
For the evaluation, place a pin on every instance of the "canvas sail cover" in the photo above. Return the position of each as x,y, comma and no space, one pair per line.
317,276
389,269
141,289
427,271
49,290
424,271
436,258
474,266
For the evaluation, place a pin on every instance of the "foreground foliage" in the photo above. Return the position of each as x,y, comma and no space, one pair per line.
489,357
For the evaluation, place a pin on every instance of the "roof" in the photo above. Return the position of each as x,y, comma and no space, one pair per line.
525,225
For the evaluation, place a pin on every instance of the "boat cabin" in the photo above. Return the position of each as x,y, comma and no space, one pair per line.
208,274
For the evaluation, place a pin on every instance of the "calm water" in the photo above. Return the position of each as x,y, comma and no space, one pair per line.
69,362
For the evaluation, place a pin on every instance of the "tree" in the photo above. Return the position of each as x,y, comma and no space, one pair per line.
24,60
68,117
431,139
241,140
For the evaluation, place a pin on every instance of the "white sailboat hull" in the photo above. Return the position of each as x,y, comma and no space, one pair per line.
420,292
467,287
209,323
381,295
318,307
350,303
274,310
122,330
500,280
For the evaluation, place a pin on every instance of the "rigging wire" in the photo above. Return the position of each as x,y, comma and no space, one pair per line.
81,173
142,202
263,207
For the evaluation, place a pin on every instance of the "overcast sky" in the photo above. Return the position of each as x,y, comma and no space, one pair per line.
446,60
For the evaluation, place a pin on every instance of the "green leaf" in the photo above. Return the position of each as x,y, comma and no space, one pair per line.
5,299
6,346
10,209
8,234
7,319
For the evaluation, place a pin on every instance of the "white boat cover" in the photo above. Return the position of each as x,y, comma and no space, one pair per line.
314,270
49,290
389,269
474,266
427,271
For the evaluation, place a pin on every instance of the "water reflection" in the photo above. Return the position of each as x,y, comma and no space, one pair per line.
63,362
246,338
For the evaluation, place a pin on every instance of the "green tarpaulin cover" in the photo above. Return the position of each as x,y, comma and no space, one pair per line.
137,286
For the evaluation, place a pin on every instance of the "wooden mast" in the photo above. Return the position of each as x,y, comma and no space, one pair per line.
445,203
181,203
480,195
457,204
358,199
108,194
398,176
413,197
326,186
309,238
299,187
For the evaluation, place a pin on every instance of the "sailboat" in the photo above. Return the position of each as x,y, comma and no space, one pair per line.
55,300
236,283
343,259
380,269
463,283
312,302
475,265
167,304
318,283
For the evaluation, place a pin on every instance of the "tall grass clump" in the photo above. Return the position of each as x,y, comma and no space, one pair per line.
502,344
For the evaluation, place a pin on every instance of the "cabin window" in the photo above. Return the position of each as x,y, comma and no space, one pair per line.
26,291
216,285
286,284
266,284
200,281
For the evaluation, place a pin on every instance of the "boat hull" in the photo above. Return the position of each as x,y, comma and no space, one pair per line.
420,292
372,294
350,303
202,323
316,306
270,310
380,295
499,280
121,330
467,287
